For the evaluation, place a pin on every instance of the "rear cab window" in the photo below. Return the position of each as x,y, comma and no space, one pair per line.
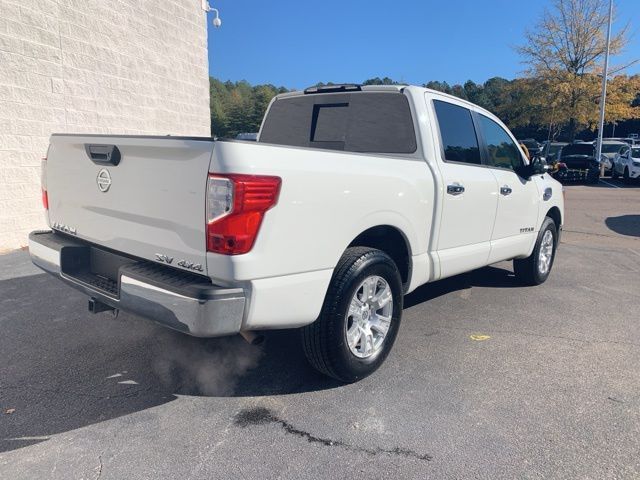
365,122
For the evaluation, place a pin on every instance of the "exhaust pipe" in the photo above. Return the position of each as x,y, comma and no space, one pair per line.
252,338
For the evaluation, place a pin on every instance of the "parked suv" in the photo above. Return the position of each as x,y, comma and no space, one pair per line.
628,164
610,151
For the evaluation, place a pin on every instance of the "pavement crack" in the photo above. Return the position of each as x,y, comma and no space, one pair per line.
99,467
263,416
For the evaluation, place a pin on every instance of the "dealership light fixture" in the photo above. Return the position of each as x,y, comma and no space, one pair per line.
207,8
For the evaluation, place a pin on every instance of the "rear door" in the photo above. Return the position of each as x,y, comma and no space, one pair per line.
518,199
144,196
470,193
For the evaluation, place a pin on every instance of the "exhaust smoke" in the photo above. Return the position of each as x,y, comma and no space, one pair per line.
195,366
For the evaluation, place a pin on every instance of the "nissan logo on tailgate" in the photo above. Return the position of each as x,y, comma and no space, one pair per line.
104,180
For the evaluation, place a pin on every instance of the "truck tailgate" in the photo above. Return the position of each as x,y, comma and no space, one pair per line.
144,196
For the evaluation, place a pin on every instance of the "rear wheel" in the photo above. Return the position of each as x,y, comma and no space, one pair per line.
626,178
535,269
360,317
614,173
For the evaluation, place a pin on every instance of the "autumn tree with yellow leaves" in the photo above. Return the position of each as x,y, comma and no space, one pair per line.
564,54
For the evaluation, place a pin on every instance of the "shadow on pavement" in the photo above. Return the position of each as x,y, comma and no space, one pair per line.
608,182
64,368
602,183
491,277
624,225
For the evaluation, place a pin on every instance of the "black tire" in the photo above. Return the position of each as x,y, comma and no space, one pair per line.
626,178
526,269
614,173
324,341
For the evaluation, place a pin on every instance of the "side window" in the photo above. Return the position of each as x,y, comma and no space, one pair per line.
457,132
503,152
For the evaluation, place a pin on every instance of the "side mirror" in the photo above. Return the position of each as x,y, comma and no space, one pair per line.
536,167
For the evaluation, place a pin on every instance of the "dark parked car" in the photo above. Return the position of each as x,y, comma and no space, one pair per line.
578,162
551,151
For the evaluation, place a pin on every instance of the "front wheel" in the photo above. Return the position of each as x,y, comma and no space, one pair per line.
614,173
626,178
360,316
535,269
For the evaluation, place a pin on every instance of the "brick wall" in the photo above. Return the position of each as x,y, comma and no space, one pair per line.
87,66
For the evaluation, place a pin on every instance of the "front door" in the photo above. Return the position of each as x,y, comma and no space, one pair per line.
514,230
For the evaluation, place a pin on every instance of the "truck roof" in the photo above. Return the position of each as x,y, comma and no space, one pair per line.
342,88
354,88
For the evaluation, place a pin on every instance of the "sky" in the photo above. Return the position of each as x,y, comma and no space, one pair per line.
296,44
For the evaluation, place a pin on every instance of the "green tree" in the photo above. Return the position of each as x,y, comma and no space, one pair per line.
238,107
380,81
524,104
439,86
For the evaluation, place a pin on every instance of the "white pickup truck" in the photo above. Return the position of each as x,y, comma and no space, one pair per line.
351,198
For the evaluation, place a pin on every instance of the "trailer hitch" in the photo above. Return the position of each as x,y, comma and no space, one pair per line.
96,306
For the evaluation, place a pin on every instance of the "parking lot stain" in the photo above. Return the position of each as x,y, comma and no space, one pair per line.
479,338
264,416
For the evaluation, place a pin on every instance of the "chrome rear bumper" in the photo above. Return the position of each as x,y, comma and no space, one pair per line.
175,299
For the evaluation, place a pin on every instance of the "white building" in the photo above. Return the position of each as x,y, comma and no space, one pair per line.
89,66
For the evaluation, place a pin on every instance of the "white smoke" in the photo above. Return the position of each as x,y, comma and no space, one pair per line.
203,366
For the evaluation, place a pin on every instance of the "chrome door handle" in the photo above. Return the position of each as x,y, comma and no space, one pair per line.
506,190
455,189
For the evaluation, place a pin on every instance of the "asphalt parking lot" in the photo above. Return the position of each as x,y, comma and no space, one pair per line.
487,380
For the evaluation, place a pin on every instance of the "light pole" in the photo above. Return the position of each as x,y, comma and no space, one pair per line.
603,97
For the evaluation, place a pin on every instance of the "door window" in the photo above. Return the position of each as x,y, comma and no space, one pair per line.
502,150
458,135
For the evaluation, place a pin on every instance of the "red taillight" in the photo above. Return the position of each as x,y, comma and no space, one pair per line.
236,205
43,183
